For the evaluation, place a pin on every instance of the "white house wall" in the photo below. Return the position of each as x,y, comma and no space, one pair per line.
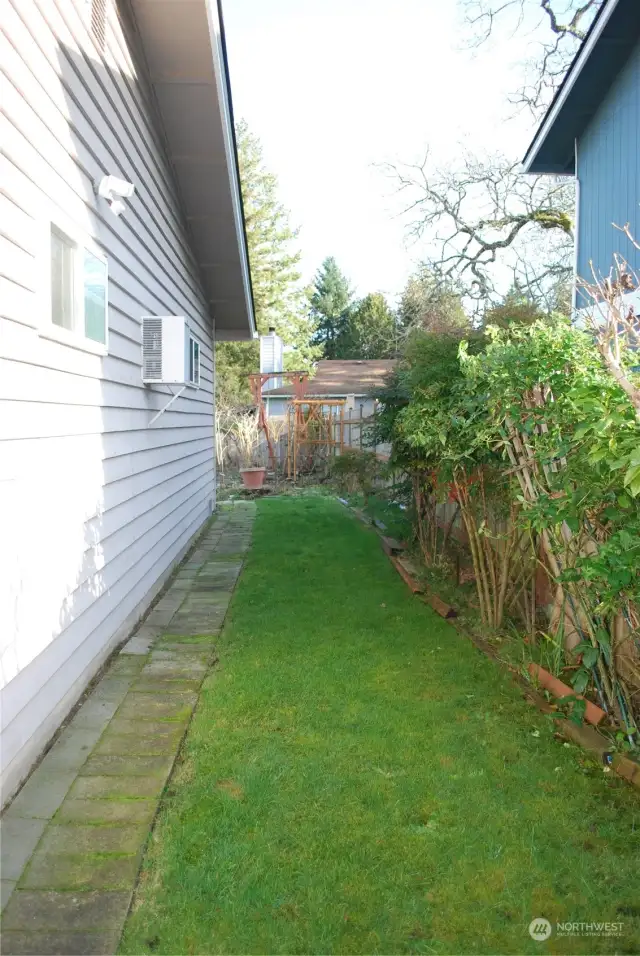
96,506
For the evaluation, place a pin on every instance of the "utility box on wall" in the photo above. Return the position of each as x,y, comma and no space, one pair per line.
170,351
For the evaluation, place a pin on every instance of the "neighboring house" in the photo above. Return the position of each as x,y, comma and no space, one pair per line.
353,380
350,380
100,495
592,131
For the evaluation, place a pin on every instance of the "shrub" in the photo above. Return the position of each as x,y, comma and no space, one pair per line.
356,471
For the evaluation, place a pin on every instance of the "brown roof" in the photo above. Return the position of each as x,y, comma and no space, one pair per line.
343,377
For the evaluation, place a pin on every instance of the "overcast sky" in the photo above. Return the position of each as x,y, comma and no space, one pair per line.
335,87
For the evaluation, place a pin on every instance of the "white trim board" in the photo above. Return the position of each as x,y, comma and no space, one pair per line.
569,83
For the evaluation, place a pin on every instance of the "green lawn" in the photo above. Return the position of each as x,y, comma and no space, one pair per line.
359,779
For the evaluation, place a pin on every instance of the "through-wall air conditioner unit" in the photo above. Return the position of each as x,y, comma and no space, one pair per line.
170,351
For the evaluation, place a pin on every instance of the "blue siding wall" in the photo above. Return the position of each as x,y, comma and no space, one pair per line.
609,174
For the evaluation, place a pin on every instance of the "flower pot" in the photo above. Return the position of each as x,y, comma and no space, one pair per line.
593,713
253,478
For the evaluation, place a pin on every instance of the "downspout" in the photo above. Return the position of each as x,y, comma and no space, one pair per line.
576,231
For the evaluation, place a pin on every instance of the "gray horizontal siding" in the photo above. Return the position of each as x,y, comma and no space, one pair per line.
609,175
111,501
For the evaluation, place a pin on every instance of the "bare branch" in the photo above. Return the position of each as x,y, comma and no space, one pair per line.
475,218
615,325
567,22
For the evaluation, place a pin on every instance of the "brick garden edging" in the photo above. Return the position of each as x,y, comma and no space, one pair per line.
74,836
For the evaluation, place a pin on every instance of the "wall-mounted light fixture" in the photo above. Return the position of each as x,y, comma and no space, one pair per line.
114,190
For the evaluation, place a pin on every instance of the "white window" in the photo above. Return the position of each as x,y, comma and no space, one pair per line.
94,289
78,287
194,362
62,280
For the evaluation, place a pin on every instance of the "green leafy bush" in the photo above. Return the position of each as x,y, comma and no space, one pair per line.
531,434
356,471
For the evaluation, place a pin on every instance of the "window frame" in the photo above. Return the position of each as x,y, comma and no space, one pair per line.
193,345
48,329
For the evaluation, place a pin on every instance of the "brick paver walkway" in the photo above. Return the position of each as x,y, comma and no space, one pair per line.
73,838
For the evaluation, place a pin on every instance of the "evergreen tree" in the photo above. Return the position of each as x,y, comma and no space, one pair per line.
370,330
515,309
279,299
432,305
331,300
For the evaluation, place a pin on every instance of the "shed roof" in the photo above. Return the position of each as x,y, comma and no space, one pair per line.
608,44
184,47
342,377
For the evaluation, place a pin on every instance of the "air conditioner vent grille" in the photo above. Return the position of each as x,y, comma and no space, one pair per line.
99,23
152,350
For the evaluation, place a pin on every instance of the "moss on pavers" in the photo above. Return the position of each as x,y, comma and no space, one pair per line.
90,871
141,744
168,707
192,624
112,686
51,942
232,558
138,645
122,766
127,664
205,602
183,584
77,839
167,670
219,568
182,649
70,839
112,787
161,618
182,657
208,615
166,685
124,725
204,599
219,571
106,812
41,910
185,640
6,889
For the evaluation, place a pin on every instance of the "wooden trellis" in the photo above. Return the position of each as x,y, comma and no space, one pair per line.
316,428
257,380
575,614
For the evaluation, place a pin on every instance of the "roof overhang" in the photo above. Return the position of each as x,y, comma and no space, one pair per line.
613,35
276,393
184,47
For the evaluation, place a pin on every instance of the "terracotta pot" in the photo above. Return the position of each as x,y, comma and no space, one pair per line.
253,478
593,713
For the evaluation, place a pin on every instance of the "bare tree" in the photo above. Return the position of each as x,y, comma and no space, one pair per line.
566,21
614,322
484,217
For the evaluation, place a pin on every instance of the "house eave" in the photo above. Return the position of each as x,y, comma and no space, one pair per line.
610,40
184,48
